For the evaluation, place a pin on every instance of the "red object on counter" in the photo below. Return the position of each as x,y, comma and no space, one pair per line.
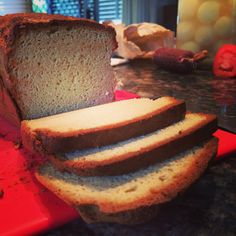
224,64
26,207
227,143
123,95
178,60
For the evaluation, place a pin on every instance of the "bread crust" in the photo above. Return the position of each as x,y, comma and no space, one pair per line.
11,24
10,27
49,142
102,209
92,214
8,108
140,159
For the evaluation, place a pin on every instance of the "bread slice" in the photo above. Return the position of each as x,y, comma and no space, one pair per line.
140,152
51,64
120,198
100,125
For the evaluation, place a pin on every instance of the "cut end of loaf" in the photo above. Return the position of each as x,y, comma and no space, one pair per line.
63,67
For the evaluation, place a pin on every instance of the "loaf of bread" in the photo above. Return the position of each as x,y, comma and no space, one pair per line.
100,125
51,64
130,198
140,152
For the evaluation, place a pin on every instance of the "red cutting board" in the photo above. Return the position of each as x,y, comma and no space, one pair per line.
27,207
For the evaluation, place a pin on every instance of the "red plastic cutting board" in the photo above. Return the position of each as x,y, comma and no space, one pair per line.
26,206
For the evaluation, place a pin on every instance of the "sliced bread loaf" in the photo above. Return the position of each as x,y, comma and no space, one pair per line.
127,198
100,125
139,152
51,64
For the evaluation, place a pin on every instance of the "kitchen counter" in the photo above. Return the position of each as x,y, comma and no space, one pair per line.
201,91
208,207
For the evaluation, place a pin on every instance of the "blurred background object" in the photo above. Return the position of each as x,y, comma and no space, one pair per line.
224,64
99,10
162,12
63,7
13,6
206,24
40,6
141,40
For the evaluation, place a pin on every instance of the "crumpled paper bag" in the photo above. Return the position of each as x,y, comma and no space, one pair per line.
141,40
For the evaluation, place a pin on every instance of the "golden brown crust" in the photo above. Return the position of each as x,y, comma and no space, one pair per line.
8,109
156,196
91,214
50,142
140,159
189,173
12,24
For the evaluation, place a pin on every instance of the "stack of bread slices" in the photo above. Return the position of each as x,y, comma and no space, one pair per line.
119,161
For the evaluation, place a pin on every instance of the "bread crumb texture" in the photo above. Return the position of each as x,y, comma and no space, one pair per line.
63,67
136,144
155,184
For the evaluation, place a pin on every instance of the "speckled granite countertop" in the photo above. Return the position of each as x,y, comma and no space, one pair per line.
201,91
208,207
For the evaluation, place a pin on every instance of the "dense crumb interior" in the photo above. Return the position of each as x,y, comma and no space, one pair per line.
99,116
140,143
61,68
128,187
